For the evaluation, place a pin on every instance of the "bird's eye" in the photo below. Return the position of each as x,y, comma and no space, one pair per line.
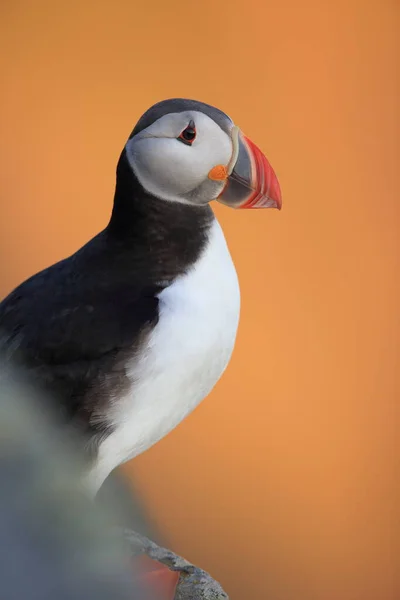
188,135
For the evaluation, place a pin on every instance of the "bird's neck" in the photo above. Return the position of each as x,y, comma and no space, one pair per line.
166,233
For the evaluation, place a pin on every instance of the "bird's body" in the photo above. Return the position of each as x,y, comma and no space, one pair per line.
186,353
132,331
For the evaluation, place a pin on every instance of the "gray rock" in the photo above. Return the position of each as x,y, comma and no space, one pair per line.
194,583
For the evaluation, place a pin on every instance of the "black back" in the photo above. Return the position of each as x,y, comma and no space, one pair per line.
74,325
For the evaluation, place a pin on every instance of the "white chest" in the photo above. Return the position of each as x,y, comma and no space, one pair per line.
187,353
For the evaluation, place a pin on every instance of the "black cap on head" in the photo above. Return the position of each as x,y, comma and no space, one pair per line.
177,105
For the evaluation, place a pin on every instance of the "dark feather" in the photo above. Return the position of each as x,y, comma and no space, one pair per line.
74,325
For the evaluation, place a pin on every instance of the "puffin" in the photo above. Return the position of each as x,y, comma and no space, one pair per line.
131,332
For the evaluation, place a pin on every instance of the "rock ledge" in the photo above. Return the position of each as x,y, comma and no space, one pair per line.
193,584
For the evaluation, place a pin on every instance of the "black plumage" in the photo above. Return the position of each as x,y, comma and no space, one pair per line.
74,325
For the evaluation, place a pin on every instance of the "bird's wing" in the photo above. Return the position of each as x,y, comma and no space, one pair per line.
96,302
56,320
75,326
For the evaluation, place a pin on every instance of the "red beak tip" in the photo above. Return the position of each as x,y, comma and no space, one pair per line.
276,194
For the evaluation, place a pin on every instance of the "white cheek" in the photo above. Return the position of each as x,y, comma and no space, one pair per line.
171,169
211,150
163,162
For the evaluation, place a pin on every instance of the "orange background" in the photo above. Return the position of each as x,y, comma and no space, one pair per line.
283,482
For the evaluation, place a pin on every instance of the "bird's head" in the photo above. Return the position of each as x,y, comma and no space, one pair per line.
190,152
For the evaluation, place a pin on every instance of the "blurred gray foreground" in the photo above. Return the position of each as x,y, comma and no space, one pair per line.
55,543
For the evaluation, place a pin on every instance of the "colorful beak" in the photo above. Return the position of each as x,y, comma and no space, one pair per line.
251,181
